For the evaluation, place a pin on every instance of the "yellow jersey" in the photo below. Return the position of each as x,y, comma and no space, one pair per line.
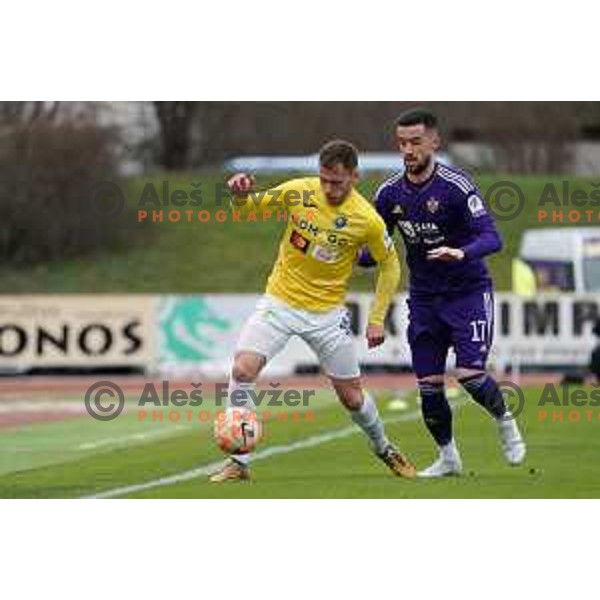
321,244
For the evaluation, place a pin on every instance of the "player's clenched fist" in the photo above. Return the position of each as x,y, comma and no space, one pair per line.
241,184
375,336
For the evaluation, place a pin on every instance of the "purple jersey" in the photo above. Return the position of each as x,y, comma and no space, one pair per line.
446,210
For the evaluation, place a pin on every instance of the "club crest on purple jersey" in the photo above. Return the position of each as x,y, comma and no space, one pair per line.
433,206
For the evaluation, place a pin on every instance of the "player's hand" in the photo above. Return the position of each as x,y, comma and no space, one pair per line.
241,184
375,336
446,254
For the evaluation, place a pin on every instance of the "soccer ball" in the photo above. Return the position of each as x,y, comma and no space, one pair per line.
236,432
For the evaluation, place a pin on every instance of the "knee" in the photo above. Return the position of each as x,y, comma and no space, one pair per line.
473,382
246,368
464,376
432,382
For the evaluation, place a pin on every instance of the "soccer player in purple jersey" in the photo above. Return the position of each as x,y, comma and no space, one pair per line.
447,232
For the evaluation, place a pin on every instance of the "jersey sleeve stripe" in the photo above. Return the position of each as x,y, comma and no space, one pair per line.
458,180
389,182
456,175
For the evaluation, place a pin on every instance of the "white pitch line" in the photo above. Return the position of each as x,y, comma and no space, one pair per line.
125,439
209,469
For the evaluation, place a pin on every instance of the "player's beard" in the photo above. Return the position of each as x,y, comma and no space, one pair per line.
420,167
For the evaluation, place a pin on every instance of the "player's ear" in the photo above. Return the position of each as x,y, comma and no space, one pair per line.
435,140
355,177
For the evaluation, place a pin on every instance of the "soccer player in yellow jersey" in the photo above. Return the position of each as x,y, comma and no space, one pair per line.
329,222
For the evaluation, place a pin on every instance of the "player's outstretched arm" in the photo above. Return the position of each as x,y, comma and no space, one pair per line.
246,199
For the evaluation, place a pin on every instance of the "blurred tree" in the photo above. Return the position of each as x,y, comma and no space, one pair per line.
27,112
517,136
55,162
175,120
529,137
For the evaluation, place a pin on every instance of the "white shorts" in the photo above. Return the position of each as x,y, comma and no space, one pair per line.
328,334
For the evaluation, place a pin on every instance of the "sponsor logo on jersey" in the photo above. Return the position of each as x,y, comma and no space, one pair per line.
335,239
306,225
325,254
421,233
476,205
341,222
299,241
408,230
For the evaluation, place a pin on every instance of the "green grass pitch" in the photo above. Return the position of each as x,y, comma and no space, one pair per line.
323,459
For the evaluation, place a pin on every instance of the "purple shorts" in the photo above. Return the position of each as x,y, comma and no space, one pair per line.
465,323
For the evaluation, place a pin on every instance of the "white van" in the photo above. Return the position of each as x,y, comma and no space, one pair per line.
565,259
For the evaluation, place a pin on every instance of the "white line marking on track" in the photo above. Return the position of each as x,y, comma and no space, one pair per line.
209,469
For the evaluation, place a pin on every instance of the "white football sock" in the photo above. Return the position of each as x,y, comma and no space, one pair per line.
368,419
243,459
241,390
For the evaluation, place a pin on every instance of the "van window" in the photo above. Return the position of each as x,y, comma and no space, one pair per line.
553,276
591,274
591,264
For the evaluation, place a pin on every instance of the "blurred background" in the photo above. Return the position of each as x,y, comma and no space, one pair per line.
75,178
53,153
